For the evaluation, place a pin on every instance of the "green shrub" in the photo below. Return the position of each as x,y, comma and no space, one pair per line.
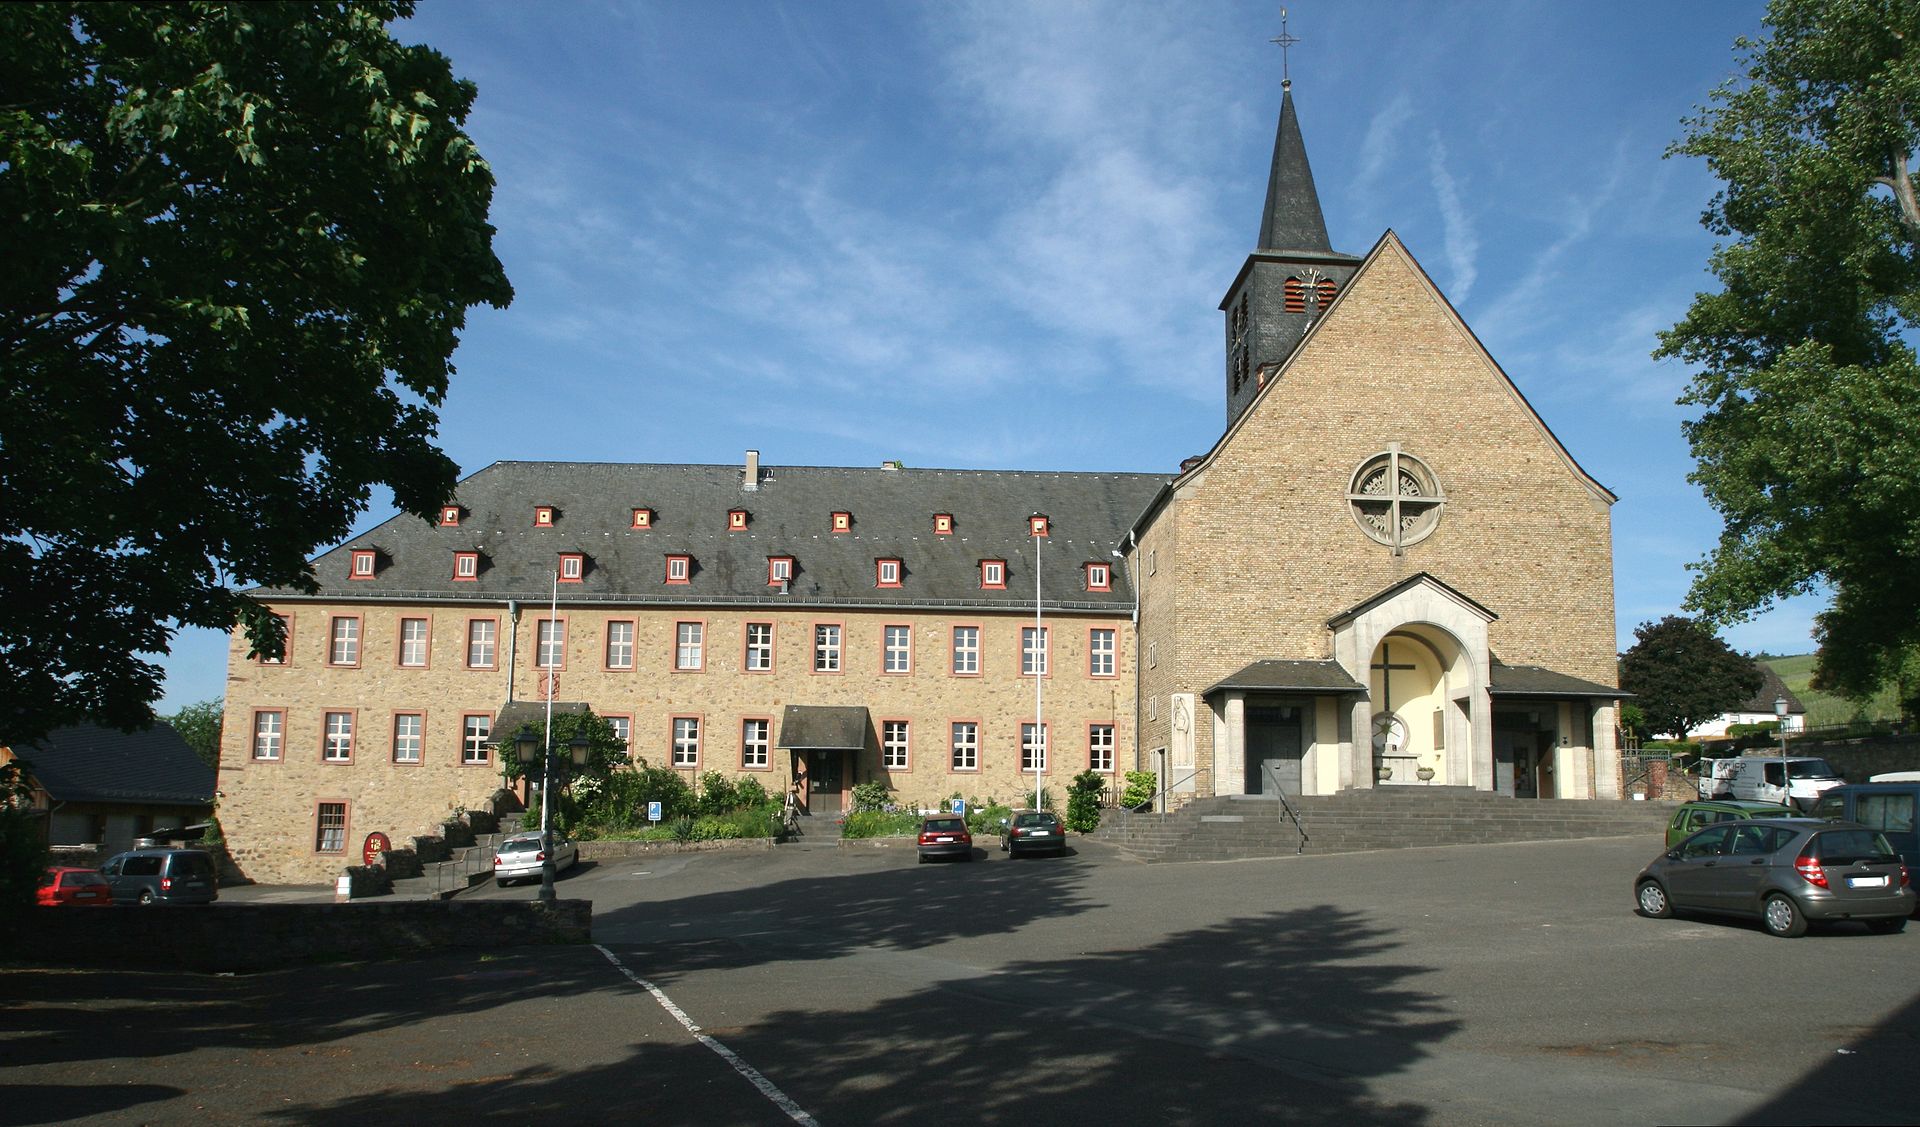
879,823
1083,801
983,819
1141,787
871,795
749,793
717,793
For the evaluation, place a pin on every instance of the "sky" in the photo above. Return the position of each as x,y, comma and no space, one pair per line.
996,234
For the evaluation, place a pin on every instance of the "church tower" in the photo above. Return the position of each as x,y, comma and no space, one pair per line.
1291,277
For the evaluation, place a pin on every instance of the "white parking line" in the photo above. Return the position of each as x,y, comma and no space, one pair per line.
767,1087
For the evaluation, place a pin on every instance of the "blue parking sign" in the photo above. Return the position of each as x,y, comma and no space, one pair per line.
653,811
959,806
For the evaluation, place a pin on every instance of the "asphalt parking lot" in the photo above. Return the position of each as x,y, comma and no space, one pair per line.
1476,984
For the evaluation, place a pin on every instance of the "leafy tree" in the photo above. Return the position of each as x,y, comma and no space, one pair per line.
23,848
241,240
1083,801
1683,675
199,725
1809,428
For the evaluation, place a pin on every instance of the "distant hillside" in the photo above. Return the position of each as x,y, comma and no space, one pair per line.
1824,709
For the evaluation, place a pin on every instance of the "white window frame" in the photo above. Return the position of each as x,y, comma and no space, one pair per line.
550,647
756,737
269,738
1030,750
826,647
343,641
896,649
689,646
620,641
476,644
963,745
337,745
1103,656
413,651
966,654
1100,747
759,653
1033,657
475,730
686,741
894,744
409,732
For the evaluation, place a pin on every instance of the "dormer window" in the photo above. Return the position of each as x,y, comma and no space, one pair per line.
943,524
573,567
466,566
886,573
679,569
543,516
364,563
1099,577
449,516
779,570
642,518
993,575
736,520
1037,524
843,522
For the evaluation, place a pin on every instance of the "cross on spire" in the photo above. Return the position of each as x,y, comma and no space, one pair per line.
1285,41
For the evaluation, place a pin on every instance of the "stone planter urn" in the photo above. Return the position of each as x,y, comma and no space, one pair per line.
1383,772
1426,774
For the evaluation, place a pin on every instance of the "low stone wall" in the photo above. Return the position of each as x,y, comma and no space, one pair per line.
1861,759
614,850
255,937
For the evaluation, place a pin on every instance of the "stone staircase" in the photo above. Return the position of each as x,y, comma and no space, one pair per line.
1244,826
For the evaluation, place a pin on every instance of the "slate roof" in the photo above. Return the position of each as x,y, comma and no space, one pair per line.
1536,681
789,514
1771,689
823,726
154,767
1290,676
529,714
1292,219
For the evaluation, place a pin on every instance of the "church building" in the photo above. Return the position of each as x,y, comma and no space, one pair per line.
1386,572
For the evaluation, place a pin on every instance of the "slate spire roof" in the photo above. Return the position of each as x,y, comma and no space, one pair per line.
1292,219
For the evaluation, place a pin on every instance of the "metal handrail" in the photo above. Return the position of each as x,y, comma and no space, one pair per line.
1286,808
1140,807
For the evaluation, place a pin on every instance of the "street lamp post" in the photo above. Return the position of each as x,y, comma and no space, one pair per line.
527,747
1786,782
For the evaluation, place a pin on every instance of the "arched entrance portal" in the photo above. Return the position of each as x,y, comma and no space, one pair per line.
1415,675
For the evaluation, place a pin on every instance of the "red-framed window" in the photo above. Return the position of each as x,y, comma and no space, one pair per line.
622,729
544,516
286,647
409,737
966,651
1033,650
756,741
1037,524
1100,748
1033,747
827,642
894,744
466,567
758,648
993,575
689,647
686,741
450,516
896,649
483,640
476,728
620,643
269,735
1099,577
842,522
573,567
330,827
1103,652
779,570
943,524
963,745
886,572
365,563
415,643
679,569
643,518
549,643
736,520
336,740
343,640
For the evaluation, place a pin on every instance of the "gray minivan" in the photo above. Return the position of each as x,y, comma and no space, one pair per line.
1891,808
161,876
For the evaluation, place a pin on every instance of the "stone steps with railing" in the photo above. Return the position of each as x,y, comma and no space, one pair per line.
1382,818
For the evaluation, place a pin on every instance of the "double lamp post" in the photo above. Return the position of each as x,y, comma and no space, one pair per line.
528,749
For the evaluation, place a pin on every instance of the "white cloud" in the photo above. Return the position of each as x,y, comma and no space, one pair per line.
1459,242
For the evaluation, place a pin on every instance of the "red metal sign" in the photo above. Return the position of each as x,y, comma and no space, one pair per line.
377,844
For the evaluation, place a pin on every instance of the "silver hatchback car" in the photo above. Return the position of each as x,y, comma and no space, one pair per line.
1785,872
519,857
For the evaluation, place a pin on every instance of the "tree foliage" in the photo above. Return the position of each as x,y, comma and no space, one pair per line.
1683,675
1809,426
23,847
199,725
240,242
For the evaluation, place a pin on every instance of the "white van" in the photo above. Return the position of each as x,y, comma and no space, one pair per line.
1757,777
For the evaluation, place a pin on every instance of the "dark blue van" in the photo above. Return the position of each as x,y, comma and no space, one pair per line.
1891,808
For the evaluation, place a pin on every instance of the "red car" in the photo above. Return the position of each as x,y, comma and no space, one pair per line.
79,887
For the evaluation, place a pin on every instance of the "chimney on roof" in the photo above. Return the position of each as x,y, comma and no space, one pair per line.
751,480
890,465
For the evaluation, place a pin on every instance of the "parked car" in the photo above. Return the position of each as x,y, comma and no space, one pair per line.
1032,831
161,876
1785,872
520,856
1698,815
1893,808
945,835
78,887
1757,778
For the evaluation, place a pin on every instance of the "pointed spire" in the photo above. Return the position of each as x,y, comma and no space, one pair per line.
1292,220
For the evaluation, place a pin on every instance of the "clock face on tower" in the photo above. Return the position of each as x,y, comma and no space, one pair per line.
1389,733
